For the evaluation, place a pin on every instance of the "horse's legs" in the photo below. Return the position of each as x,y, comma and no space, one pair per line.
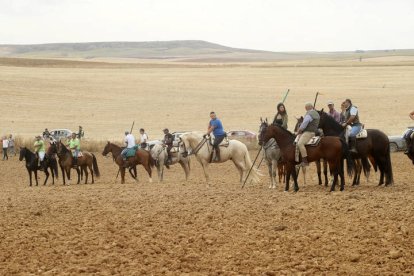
122,170
205,166
334,170
30,176
325,171
53,173
63,174
35,174
79,174
342,175
269,167
184,165
91,171
295,179
274,173
318,169
85,169
149,171
159,168
47,175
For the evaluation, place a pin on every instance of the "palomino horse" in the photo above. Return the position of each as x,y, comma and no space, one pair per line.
87,160
142,157
32,166
330,148
160,155
376,145
236,151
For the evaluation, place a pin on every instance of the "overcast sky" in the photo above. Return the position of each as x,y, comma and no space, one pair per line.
275,25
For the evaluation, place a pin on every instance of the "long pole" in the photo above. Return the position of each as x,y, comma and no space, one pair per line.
251,167
286,94
316,98
132,127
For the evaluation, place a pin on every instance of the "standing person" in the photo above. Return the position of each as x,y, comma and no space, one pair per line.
168,142
143,138
74,146
281,117
46,133
342,115
352,119
5,148
307,130
333,113
81,133
11,145
130,143
39,148
216,127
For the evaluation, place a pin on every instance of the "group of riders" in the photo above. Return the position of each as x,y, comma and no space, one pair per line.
215,126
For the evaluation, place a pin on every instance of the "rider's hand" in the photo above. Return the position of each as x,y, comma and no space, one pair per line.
205,135
344,125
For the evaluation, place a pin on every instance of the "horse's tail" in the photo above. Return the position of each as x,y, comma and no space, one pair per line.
367,167
254,174
389,178
151,161
350,164
95,166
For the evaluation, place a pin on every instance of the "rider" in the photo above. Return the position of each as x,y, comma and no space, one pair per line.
81,133
74,146
130,143
144,138
281,117
352,119
46,133
333,113
168,142
216,127
39,147
307,130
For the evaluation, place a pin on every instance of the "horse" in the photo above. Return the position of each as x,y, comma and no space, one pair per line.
375,147
160,155
142,157
317,162
409,140
115,153
194,143
271,153
87,160
330,148
32,166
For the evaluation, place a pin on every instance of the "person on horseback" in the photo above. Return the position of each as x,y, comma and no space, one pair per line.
168,142
352,119
281,117
130,143
39,148
216,127
333,113
144,138
307,130
74,146
46,133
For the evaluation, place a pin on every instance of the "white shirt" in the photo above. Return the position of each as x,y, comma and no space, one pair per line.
5,143
130,141
144,138
353,111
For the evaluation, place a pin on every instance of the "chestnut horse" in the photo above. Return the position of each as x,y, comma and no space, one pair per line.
332,149
142,157
376,147
87,160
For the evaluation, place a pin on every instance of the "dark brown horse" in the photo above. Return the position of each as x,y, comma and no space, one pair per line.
32,165
142,157
375,146
329,148
87,160
409,140
115,153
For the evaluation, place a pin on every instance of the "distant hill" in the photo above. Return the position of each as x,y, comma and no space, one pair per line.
182,50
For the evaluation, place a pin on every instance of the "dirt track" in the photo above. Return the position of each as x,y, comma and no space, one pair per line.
178,227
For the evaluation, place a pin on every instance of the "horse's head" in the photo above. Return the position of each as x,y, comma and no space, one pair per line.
262,132
409,140
107,149
52,148
22,153
298,123
184,145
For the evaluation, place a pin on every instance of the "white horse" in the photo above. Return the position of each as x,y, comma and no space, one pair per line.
271,153
160,155
236,151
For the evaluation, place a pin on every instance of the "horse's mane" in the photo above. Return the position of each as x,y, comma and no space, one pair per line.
285,130
330,122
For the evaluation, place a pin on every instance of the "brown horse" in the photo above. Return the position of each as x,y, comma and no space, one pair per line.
409,140
87,160
376,147
142,157
115,153
329,148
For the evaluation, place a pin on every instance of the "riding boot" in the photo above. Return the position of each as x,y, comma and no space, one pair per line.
75,162
305,162
352,145
42,165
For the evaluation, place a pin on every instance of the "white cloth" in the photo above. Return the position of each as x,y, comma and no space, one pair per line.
144,138
41,155
5,143
353,111
130,141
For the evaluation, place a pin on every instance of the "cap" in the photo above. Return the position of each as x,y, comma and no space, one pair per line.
330,102
38,136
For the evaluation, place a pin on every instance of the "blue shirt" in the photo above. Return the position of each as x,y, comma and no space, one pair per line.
306,121
218,127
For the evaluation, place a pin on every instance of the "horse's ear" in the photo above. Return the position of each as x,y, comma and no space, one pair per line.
261,119
109,142
322,110
266,119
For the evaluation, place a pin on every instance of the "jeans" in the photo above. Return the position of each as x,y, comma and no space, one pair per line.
355,130
5,156
217,141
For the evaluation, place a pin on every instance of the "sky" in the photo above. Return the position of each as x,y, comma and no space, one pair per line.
288,25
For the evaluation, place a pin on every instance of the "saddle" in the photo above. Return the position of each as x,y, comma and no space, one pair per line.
225,143
314,141
80,154
361,135
132,151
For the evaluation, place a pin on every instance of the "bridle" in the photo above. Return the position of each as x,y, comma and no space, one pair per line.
196,149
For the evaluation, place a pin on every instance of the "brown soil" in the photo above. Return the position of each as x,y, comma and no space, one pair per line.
180,227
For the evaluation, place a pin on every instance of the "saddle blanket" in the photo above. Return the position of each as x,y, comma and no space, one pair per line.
361,135
132,151
314,141
80,154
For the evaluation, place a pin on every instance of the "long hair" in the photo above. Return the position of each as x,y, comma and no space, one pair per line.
278,111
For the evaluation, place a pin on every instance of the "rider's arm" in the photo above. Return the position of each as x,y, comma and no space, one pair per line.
210,128
305,122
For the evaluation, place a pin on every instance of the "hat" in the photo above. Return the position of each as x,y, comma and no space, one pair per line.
126,132
38,136
165,129
330,103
